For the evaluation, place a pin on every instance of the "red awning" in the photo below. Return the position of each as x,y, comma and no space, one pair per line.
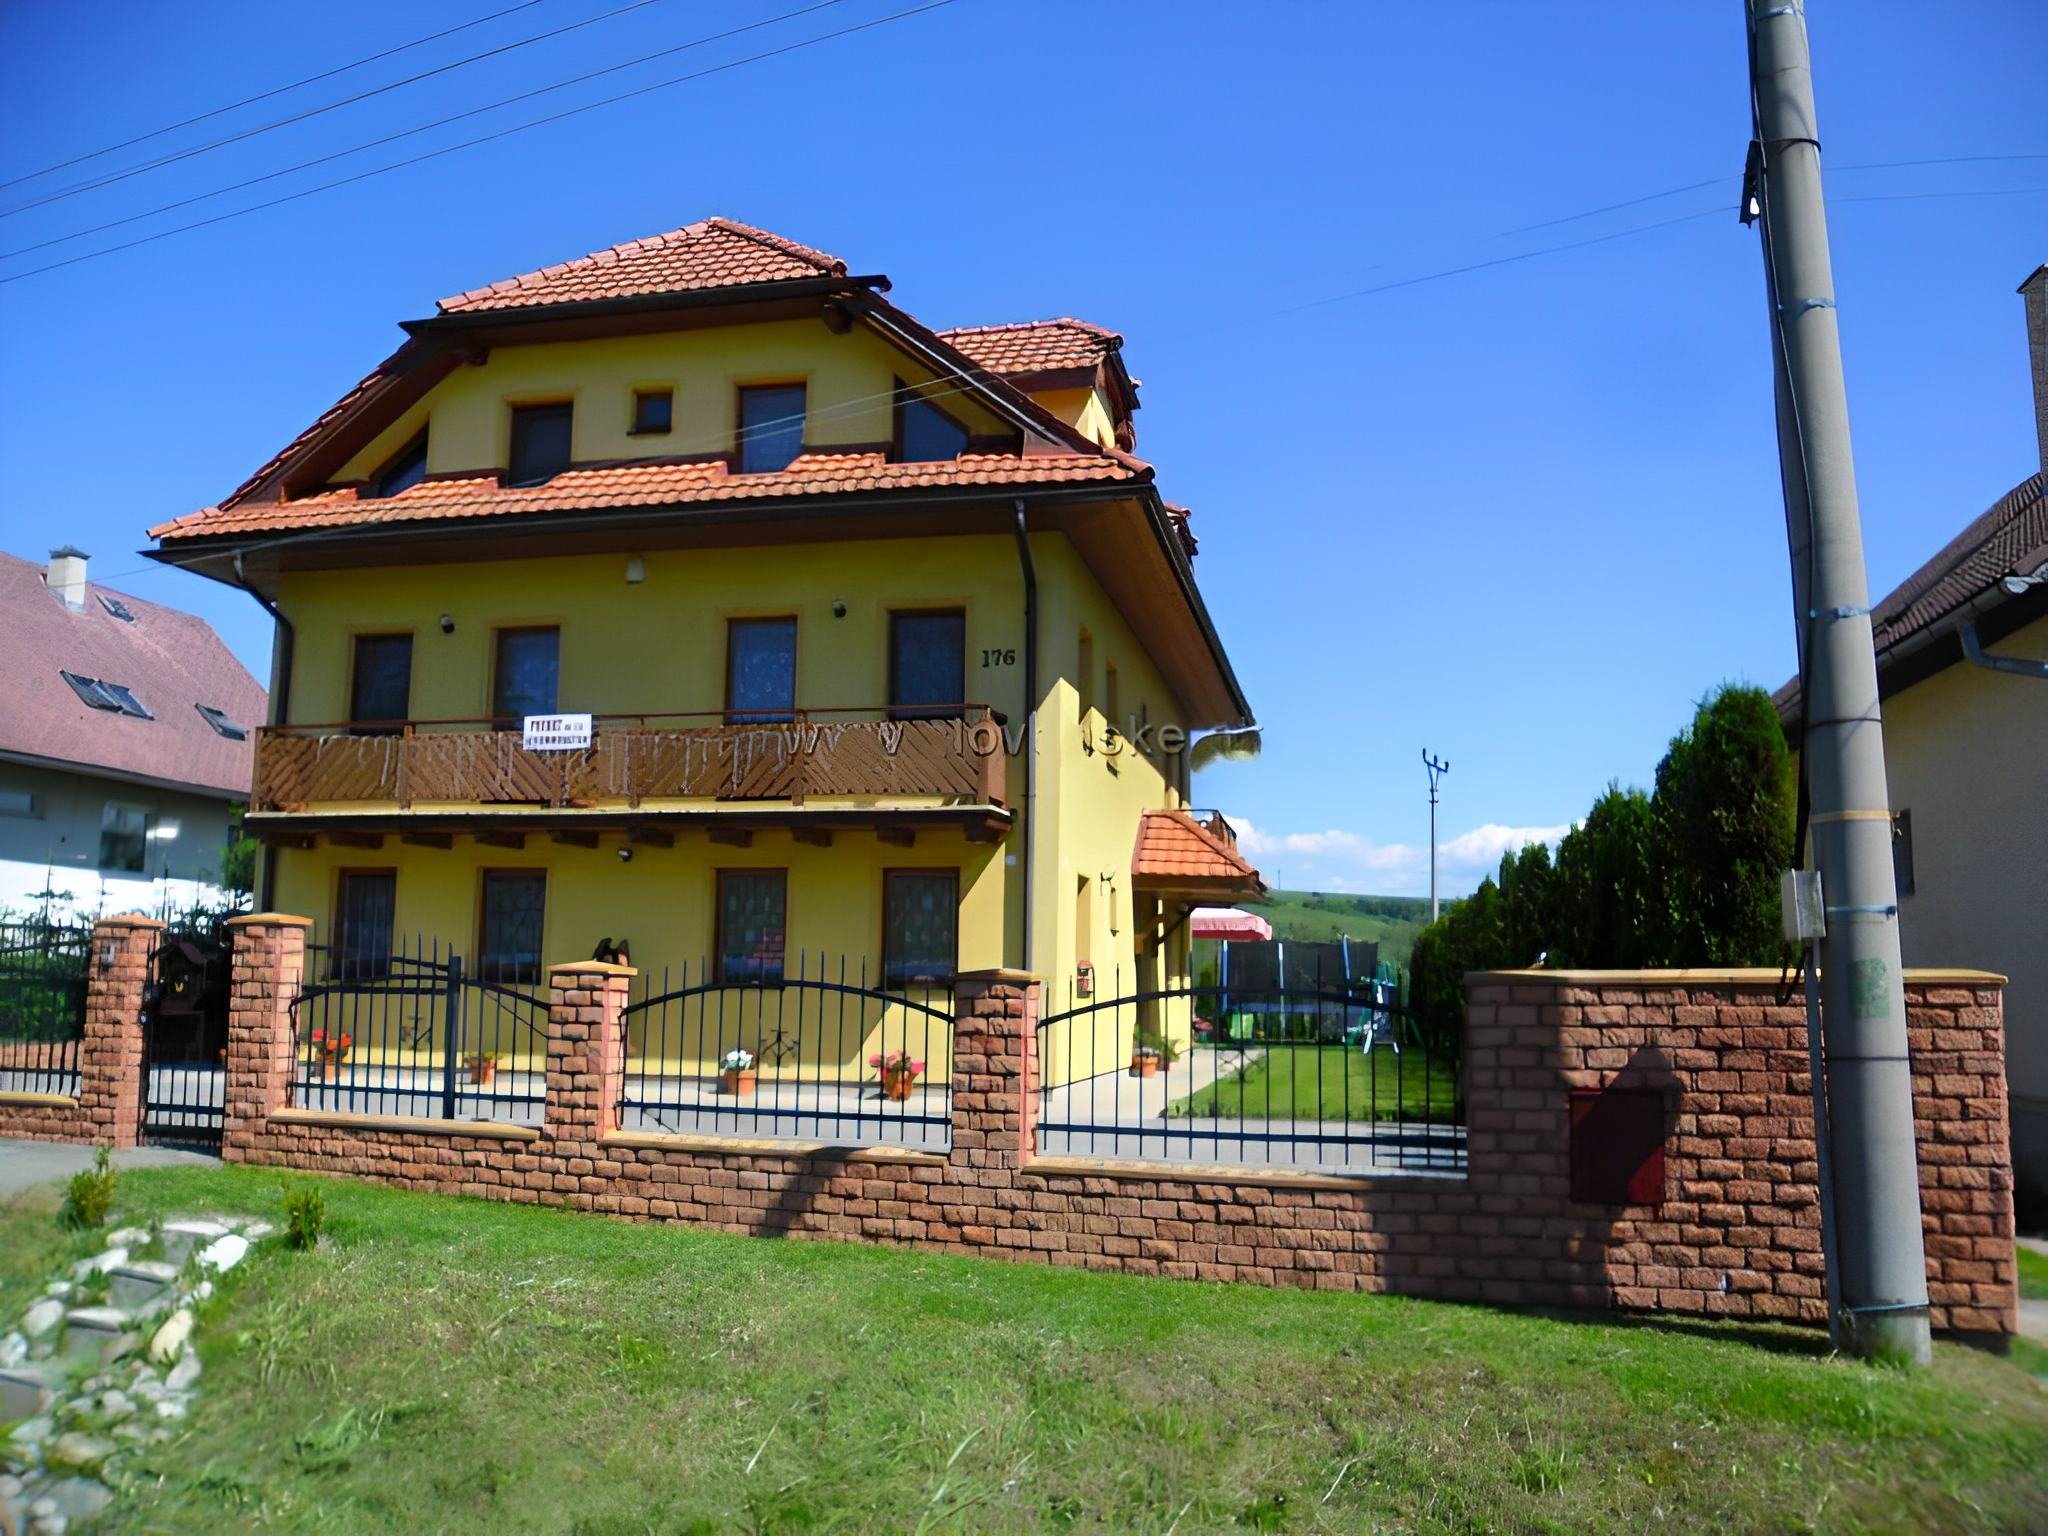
1228,923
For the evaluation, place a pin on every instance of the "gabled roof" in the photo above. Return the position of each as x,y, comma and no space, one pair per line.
1177,852
712,253
1035,346
2010,537
171,661
642,483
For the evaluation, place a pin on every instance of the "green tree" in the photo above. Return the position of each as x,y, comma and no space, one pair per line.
1607,895
1467,937
238,859
1724,808
1527,895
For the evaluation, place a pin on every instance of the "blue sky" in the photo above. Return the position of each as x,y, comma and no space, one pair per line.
1522,516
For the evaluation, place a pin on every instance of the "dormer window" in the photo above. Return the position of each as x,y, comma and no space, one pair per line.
924,433
222,725
771,427
111,697
653,411
116,607
540,442
404,469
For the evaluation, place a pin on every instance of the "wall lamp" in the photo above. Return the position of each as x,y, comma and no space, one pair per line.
447,623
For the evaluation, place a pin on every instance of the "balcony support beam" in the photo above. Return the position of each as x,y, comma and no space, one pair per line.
815,837
356,839
651,837
428,839
574,838
897,837
732,837
502,839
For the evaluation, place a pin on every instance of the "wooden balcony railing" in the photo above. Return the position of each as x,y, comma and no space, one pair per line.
1213,823
633,758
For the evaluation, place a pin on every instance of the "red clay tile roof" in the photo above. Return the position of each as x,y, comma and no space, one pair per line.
713,253
1035,346
642,484
1174,849
170,661
2013,531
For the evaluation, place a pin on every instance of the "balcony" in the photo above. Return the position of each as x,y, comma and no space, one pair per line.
863,755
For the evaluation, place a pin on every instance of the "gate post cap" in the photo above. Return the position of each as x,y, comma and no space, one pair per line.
592,968
129,920
267,920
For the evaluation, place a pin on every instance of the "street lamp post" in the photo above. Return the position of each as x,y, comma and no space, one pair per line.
1436,772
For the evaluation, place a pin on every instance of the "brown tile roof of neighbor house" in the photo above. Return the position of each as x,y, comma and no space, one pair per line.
712,253
2010,537
643,484
171,662
1035,346
1176,850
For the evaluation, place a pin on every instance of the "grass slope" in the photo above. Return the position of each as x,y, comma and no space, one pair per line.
451,1365
1389,921
1327,1082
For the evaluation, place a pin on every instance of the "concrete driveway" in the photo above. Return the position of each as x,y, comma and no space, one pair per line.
25,1164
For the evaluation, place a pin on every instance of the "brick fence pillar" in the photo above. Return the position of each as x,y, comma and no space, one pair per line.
269,967
995,1071
586,1048
110,1054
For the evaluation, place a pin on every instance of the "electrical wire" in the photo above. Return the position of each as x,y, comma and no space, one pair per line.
407,133
279,90
112,177
503,133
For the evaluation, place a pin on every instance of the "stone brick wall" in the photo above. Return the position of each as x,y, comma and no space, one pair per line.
1736,1233
107,1109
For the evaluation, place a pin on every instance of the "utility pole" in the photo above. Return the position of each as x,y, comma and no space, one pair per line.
1882,1307
1436,772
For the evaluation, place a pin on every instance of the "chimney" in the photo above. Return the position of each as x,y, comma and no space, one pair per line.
2035,291
66,576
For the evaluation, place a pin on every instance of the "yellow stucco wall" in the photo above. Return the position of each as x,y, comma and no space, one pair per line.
1084,408
1966,752
850,379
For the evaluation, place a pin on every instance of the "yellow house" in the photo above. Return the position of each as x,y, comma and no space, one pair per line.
692,598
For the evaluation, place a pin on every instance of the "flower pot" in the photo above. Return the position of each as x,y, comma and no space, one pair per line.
739,1081
1144,1066
330,1069
896,1085
481,1072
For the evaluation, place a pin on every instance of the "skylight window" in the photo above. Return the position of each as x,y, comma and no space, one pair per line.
221,724
108,696
116,607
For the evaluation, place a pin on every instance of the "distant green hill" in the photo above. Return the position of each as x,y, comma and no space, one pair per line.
1389,921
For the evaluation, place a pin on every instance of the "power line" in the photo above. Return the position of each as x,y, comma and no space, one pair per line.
249,101
112,177
503,133
408,133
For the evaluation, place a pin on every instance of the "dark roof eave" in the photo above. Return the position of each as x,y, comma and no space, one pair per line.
467,321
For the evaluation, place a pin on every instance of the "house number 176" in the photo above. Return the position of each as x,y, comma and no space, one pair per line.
1001,656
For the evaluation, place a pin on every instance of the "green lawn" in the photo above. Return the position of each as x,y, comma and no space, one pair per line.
2033,1274
1326,1082
451,1365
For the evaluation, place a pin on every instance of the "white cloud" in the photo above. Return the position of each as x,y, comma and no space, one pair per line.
1336,860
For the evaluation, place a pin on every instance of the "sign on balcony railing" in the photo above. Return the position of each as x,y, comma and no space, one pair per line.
555,733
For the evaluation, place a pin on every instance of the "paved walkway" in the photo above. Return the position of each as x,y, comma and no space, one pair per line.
25,1164
2033,1311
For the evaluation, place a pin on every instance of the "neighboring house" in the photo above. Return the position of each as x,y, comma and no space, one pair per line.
1962,669
125,743
819,574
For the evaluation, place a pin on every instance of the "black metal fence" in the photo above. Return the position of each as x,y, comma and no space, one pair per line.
1330,1078
414,1033
42,1005
828,1052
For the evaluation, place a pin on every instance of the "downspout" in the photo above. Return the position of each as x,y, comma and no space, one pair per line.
280,707
1030,722
2020,666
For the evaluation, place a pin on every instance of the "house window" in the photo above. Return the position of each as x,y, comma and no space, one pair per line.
18,802
924,433
405,468
222,725
927,664
760,670
771,427
540,443
124,837
1902,851
753,917
366,904
529,661
653,411
380,687
104,695
116,607
920,927
514,914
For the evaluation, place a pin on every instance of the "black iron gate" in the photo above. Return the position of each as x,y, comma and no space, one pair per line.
42,1005
185,1035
